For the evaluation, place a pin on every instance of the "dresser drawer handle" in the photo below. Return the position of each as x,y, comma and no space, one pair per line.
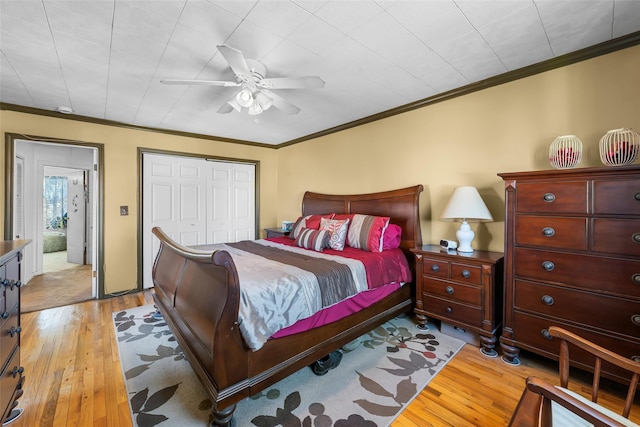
637,196
466,274
548,265
15,331
549,197
15,371
548,231
636,278
449,290
635,319
547,299
435,268
635,358
449,310
545,334
636,237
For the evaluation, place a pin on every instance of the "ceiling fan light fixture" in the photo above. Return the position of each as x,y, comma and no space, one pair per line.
244,98
235,105
255,109
264,101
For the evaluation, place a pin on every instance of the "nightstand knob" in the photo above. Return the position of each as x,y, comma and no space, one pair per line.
636,237
548,265
548,231
635,319
636,278
637,196
466,274
549,197
449,290
435,267
545,334
547,299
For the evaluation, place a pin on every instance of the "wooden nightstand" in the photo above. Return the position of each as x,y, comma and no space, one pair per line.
464,290
275,232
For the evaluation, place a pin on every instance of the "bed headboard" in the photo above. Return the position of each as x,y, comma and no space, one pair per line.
400,205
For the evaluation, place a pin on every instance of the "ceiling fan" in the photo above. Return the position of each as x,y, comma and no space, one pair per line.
256,93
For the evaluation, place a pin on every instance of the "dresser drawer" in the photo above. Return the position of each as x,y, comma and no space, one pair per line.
530,332
606,275
619,197
8,379
552,197
617,236
442,308
8,335
435,268
552,232
454,291
622,315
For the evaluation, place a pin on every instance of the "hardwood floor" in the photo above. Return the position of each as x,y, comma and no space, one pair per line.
61,284
74,378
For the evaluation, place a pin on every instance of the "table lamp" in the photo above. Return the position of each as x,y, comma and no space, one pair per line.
465,205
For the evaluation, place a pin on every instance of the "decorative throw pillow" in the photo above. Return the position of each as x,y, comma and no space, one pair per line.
337,232
313,239
391,237
309,221
365,232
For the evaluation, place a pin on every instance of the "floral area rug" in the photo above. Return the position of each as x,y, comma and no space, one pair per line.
380,373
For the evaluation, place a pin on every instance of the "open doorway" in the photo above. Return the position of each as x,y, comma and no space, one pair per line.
56,203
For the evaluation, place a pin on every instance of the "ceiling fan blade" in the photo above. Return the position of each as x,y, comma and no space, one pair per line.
305,82
237,62
283,105
225,108
200,82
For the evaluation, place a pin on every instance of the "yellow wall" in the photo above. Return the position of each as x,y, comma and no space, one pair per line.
464,141
121,179
468,141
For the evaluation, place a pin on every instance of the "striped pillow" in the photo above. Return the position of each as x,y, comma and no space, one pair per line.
366,231
309,221
313,239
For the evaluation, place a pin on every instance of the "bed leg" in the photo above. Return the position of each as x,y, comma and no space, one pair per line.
223,417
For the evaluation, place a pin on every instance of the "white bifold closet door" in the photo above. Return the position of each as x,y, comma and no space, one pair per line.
195,201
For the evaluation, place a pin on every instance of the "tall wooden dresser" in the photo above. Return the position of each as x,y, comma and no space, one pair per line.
11,373
572,259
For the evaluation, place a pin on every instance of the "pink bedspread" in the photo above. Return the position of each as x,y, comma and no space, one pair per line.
386,271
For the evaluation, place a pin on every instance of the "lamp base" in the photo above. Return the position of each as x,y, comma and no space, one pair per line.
465,236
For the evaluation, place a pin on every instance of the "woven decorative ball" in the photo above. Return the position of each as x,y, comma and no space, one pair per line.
565,152
619,147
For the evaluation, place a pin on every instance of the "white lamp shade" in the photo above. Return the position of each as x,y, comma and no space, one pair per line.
466,204
244,98
264,101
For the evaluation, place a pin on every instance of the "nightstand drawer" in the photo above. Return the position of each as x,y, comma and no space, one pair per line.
435,268
466,273
551,232
445,309
552,197
454,291
623,315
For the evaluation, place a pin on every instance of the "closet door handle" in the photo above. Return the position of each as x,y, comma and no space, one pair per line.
549,197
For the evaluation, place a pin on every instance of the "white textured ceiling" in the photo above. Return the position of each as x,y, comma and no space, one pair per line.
105,58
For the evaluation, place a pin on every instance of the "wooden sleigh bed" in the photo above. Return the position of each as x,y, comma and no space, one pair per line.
198,293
